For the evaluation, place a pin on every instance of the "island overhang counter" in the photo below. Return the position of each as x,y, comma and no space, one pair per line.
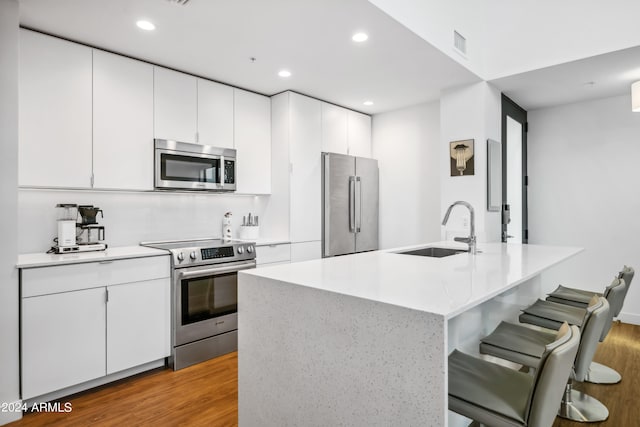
363,339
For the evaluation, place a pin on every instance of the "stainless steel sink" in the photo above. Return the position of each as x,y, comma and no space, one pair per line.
434,252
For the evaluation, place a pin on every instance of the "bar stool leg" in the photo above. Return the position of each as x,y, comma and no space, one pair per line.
601,374
581,407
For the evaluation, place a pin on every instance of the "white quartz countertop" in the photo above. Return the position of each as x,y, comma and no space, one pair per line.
122,252
446,286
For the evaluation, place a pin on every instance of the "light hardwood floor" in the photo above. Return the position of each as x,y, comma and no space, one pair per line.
207,394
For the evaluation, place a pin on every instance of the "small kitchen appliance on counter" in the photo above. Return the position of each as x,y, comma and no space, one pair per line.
89,233
78,235
66,240
204,296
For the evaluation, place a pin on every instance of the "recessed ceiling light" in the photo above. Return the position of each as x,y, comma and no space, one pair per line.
145,25
359,37
368,103
284,73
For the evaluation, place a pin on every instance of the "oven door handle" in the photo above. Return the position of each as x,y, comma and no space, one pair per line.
216,270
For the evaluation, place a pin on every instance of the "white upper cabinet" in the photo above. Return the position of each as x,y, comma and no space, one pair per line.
55,112
252,129
304,147
334,129
175,105
215,114
359,134
122,122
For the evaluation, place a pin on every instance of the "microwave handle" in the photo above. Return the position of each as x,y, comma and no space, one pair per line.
212,271
221,173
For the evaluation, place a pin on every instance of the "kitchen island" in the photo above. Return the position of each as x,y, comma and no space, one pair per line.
363,339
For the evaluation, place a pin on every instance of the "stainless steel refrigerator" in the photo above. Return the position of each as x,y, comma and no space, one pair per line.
350,204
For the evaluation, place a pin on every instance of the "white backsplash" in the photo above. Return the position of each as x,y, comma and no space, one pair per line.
132,217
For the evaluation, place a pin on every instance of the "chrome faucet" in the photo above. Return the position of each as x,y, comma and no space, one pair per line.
471,240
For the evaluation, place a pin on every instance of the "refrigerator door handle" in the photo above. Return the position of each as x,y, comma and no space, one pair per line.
358,203
352,204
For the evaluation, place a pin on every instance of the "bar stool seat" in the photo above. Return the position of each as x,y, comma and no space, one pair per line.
501,397
525,345
470,378
580,298
551,315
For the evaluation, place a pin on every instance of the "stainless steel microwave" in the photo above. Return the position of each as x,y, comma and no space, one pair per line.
184,166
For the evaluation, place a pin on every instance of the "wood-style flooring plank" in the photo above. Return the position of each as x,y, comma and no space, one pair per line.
207,394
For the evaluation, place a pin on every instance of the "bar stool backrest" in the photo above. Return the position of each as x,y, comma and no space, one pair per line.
625,274
614,293
551,377
595,319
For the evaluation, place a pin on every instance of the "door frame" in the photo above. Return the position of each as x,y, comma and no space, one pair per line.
519,114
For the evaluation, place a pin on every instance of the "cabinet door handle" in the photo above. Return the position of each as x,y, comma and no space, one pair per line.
107,295
106,262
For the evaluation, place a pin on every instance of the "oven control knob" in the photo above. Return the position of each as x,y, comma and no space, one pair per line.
180,257
240,249
249,248
193,255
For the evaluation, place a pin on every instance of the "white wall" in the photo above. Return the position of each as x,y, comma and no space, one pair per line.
132,217
435,21
583,190
9,352
406,144
470,112
523,36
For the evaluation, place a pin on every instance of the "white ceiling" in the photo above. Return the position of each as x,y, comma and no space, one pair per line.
311,38
600,76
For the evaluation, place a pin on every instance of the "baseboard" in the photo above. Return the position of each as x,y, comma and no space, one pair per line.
632,318
9,416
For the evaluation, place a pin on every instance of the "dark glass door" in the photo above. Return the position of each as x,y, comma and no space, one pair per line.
205,298
175,167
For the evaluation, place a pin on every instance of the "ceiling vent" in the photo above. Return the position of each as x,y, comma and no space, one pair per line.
459,43
179,2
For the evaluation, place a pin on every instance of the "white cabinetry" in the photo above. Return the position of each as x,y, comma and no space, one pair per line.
122,122
306,251
55,112
252,129
334,129
215,114
305,146
359,134
81,322
297,138
345,131
273,254
137,323
62,340
175,105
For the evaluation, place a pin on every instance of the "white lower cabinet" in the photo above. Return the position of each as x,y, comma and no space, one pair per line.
273,254
138,324
72,335
63,340
306,251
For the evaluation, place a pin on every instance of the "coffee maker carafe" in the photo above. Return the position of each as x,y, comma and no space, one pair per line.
90,234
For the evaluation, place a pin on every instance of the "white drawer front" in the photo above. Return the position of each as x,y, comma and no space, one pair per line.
306,251
273,253
64,278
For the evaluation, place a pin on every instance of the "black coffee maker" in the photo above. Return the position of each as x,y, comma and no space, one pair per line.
89,232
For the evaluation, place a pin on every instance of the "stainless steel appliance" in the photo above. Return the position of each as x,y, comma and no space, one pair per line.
184,166
205,296
350,204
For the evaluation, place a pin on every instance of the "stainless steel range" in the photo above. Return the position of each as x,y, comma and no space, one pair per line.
205,296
